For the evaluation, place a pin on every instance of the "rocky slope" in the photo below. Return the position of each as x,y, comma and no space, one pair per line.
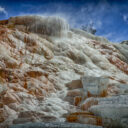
50,73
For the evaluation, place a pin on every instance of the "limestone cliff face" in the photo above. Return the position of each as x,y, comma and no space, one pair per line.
51,73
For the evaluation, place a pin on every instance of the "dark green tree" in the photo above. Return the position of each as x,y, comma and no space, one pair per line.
89,28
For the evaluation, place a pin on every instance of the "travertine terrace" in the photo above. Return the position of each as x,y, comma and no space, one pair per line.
51,73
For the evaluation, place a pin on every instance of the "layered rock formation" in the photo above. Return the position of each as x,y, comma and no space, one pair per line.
50,73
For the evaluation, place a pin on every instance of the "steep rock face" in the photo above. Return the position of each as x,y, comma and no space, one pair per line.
41,66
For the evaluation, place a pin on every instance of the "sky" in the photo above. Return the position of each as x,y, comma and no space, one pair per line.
110,17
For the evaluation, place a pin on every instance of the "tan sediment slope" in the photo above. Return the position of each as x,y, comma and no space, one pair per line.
51,73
